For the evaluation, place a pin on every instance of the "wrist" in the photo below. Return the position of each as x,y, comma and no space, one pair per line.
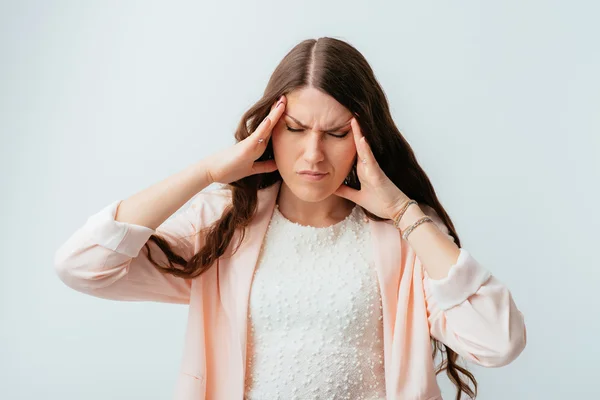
411,215
204,177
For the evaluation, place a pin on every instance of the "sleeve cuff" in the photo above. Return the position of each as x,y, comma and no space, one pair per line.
121,237
464,279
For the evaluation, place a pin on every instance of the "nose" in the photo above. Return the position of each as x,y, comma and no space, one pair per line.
313,151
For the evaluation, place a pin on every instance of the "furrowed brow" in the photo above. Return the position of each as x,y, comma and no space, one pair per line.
334,129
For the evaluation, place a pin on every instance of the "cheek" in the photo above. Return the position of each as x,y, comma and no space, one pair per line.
345,156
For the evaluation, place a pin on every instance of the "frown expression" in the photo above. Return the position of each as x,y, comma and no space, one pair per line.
313,135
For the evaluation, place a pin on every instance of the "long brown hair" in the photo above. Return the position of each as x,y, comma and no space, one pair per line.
340,70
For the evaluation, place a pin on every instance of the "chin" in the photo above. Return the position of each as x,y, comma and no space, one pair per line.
310,191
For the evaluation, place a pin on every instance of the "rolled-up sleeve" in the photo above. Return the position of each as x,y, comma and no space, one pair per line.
474,313
106,258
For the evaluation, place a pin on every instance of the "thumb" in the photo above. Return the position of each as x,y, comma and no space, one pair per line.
262,167
348,193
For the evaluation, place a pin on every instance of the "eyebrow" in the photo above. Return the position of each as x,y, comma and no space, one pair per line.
337,128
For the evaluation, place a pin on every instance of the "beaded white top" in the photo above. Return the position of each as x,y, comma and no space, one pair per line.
315,321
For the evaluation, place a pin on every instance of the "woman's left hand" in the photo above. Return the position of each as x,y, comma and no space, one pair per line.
378,194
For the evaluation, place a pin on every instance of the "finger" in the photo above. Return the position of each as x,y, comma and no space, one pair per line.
348,193
281,99
263,131
276,112
367,154
262,167
358,136
257,140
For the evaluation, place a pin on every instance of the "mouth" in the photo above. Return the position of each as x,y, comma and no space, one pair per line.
312,176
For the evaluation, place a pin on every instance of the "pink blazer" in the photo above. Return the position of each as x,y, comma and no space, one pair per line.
470,310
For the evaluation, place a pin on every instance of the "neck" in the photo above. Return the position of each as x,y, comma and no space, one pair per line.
319,213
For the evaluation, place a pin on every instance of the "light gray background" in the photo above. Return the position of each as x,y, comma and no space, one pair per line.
100,99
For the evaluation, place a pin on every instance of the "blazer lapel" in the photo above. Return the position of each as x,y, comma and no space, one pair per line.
387,259
235,279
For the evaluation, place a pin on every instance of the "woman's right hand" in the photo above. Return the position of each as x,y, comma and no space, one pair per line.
239,160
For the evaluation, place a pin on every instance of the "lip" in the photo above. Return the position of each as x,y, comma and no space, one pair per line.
312,176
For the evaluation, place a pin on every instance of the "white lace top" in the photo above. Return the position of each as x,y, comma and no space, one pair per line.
315,322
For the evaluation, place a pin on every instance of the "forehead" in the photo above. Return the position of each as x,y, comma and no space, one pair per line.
314,108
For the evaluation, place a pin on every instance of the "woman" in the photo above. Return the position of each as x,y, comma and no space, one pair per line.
325,267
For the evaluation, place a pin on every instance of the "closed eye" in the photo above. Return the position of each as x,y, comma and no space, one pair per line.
340,136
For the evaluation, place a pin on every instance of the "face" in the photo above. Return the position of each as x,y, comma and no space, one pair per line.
313,135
